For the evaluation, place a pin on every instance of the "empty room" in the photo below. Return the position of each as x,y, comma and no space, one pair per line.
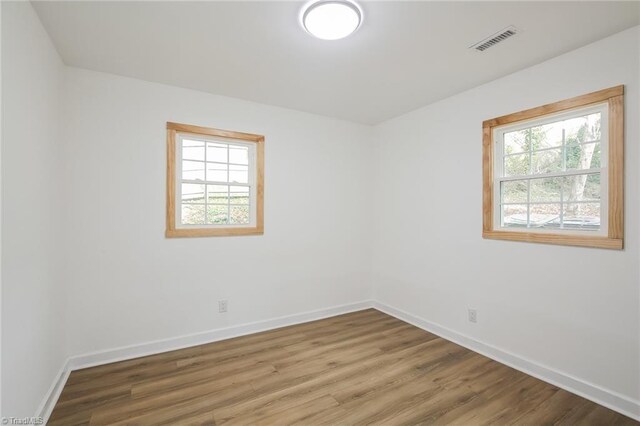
326,212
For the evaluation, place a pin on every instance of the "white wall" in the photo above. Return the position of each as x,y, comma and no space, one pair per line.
575,310
0,211
32,334
128,284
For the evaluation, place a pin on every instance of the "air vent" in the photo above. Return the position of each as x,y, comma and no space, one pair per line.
494,39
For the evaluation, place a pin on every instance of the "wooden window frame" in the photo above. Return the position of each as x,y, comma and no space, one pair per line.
173,129
614,97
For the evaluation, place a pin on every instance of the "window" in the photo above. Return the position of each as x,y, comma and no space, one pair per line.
214,182
554,174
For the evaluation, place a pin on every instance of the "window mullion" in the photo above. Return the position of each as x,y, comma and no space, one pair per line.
214,182
206,188
228,189
529,203
564,150
562,204
530,151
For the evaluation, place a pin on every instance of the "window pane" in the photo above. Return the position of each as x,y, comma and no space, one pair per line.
546,161
239,215
545,190
515,142
582,129
217,152
582,187
544,216
192,193
586,156
592,189
217,194
238,174
192,170
514,191
546,136
192,150
192,214
515,165
514,216
585,216
239,195
217,215
239,155
216,172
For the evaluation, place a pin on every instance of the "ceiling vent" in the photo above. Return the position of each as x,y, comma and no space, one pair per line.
494,39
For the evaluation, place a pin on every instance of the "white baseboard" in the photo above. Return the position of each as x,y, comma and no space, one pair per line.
158,346
47,404
595,393
149,348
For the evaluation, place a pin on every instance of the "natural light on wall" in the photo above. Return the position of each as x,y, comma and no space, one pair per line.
331,20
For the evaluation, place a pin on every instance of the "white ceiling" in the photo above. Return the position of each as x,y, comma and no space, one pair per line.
405,55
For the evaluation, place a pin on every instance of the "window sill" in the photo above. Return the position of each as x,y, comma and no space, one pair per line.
212,232
558,239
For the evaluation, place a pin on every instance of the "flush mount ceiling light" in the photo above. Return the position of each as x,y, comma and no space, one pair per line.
331,19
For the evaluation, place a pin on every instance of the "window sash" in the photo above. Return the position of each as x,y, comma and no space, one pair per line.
574,172
251,184
498,168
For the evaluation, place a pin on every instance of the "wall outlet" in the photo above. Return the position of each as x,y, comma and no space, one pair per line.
222,306
473,315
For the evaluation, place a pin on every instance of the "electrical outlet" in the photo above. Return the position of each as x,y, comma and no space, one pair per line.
473,315
222,306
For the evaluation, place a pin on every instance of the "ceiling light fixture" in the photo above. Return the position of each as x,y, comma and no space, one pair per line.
331,19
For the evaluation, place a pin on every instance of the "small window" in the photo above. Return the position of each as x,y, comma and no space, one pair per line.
214,182
554,174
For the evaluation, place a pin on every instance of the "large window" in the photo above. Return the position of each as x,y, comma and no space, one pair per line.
554,174
214,182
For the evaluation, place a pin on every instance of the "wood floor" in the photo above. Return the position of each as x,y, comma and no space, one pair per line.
361,368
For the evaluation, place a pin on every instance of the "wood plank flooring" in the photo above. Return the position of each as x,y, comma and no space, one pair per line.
360,368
